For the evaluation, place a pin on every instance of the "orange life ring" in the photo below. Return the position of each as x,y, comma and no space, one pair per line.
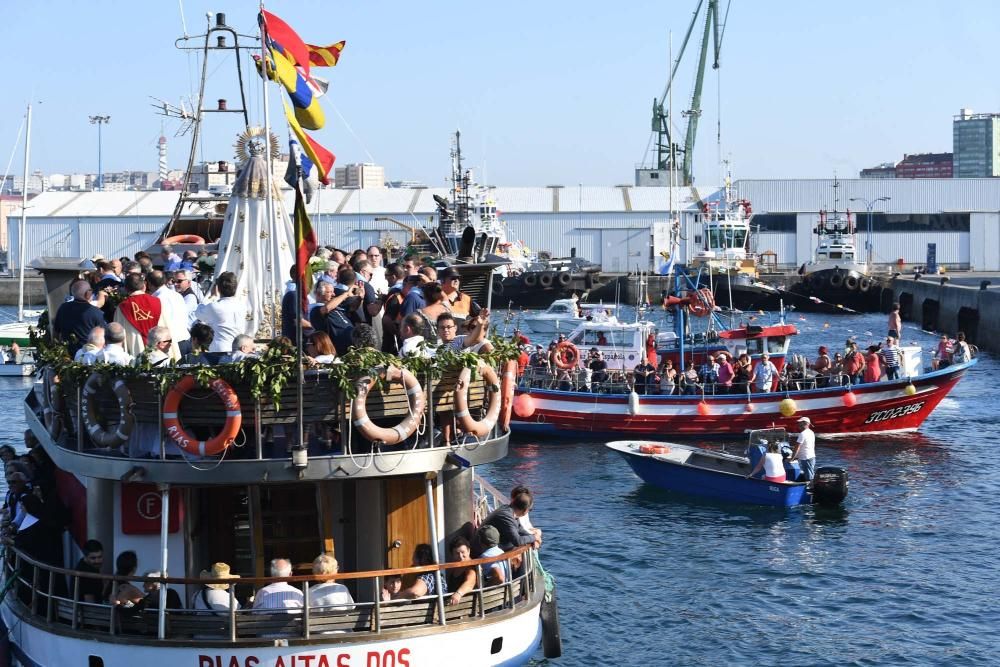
465,421
700,302
402,430
187,442
650,448
507,381
567,356
184,238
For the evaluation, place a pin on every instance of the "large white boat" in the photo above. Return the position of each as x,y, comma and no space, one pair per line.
242,464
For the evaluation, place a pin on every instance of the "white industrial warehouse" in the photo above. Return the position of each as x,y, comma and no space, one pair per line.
623,228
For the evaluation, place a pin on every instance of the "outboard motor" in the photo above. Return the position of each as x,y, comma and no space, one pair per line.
830,486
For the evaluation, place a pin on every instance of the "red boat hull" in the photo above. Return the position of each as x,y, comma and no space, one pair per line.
883,407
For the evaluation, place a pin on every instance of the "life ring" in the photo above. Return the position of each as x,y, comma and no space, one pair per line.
106,437
564,278
52,403
851,283
865,284
187,442
465,421
530,279
545,280
404,429
567,357
700,302
650,448
508,379
836,280
184,238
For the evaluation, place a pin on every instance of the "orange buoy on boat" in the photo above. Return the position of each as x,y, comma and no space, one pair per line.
653,448
524,406
567,357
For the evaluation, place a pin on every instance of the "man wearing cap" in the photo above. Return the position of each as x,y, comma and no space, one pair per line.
598,368
489,539
460,303
805,450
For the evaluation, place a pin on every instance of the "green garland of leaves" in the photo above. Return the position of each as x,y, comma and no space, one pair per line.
267,375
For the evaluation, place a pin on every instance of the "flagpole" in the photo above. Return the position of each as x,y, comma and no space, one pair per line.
269,197
299,286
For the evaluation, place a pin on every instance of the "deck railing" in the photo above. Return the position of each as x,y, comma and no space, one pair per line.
33,588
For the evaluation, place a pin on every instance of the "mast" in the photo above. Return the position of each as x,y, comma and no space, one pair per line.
24,222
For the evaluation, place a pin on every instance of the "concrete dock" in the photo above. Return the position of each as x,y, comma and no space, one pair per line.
968,302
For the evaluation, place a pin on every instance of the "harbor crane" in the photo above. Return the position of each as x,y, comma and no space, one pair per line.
667,152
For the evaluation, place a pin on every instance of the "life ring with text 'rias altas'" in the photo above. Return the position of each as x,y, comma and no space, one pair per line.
106,437
187,442
402,430
482,427
184,238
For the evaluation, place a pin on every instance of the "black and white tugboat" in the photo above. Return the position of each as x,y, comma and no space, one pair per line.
836,279
470,230
726,264
208,483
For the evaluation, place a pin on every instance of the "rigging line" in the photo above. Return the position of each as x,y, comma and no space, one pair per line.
13,150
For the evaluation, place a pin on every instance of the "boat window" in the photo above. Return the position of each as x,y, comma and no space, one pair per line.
755,346
739,238
714,238
561,308
603,338
776,344
836,255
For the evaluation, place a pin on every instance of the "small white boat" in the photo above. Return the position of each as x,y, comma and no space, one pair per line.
565,315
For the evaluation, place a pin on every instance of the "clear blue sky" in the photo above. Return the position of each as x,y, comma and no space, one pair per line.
544,92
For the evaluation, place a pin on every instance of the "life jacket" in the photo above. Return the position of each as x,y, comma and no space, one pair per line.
462,305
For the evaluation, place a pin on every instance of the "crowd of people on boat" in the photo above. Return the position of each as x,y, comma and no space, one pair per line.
127,310
34,520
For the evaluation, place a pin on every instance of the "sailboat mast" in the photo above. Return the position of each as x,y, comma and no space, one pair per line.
24,222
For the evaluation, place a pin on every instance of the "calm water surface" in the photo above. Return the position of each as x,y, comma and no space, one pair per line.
905,573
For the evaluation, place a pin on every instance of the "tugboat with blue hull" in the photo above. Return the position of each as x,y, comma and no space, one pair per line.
701,472
266,461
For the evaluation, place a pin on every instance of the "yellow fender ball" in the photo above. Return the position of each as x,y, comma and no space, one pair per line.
788,407
909,389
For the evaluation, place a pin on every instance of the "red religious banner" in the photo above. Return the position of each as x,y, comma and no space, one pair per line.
141,507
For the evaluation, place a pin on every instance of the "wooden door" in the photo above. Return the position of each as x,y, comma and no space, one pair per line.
407,524
289,525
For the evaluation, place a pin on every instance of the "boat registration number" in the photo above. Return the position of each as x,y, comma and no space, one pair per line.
894,413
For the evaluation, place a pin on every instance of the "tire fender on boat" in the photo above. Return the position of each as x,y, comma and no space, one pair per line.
865,284
508,379
545,280
183,439
567,356
479,428
564,279
52,403
106,437
404,429
530,279
836,280
851,283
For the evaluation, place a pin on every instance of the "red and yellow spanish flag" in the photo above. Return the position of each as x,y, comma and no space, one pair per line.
321,157
325,56
285,40
305,246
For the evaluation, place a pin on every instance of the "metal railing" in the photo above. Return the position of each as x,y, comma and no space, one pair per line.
35,594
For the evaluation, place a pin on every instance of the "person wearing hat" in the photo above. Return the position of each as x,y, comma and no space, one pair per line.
461,304
598,368
489,538
214,595
854,362
805,450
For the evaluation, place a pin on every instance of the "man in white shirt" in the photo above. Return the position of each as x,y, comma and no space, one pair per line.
409,334
377,280
114,348
243,348
227,316
87,354
805,450
173,310
280,594
185,286
329,594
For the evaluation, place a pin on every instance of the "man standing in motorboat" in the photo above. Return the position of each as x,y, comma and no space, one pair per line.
805,450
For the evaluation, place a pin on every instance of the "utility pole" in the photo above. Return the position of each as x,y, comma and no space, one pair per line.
99,121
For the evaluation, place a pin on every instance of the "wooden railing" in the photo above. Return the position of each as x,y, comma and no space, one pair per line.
32,588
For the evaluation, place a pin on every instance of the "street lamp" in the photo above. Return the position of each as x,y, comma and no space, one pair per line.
99,121
869,205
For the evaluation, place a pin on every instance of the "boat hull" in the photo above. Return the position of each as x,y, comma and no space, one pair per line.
882,407
837,287
664,474
32,646
543,290
742,294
